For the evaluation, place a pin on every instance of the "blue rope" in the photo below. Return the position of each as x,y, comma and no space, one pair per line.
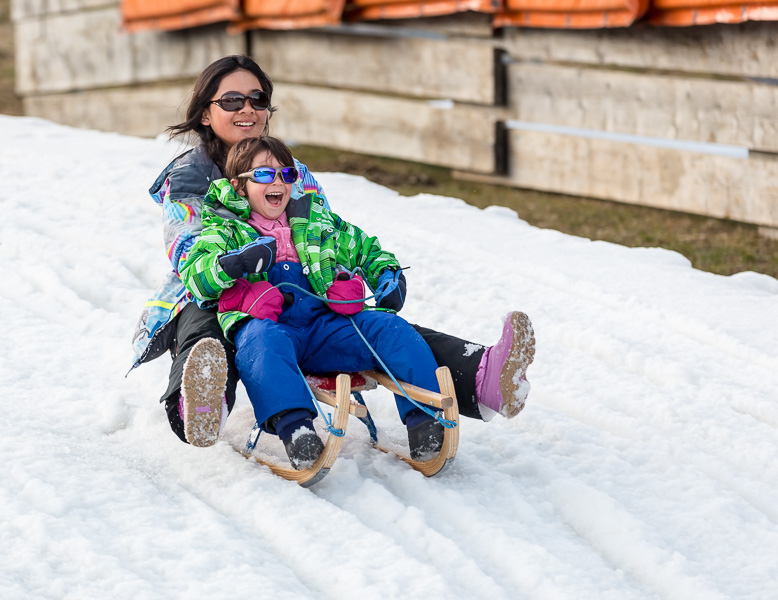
327,300
327,417
433,413
367,419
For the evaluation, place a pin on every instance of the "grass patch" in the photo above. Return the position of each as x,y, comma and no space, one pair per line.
714,245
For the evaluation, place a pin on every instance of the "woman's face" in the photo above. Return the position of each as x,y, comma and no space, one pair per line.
267,199
231,127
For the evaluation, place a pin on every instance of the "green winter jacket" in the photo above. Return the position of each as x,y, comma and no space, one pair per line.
321,238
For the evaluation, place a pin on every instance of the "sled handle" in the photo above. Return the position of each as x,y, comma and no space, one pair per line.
415,392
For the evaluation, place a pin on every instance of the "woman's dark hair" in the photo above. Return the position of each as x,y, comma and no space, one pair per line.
204,89
242,154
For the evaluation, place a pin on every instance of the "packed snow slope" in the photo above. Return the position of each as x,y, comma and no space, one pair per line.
644,466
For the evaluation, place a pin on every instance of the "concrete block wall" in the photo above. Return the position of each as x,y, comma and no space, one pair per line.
75,65
683,118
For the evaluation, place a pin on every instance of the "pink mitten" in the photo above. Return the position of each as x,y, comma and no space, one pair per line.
260,299
347,289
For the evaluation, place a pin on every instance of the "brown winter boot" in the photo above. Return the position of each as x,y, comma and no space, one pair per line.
203,384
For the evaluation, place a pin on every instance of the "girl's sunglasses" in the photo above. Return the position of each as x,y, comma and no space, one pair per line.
234,101
268,175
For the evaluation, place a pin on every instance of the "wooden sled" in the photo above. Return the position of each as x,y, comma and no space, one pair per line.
344,406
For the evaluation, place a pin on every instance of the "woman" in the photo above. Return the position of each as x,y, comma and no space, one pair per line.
231,101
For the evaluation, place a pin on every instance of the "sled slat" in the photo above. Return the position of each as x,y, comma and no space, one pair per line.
355,409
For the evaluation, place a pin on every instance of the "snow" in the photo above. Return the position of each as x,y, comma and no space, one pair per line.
645,464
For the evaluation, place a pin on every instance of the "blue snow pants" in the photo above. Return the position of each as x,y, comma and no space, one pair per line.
309,334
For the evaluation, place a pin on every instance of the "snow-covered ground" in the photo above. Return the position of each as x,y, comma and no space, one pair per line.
644,466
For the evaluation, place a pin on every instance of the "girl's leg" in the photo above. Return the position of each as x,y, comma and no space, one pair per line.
334,345
192,325
266,358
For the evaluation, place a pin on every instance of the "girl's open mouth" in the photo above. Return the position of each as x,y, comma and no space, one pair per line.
274,198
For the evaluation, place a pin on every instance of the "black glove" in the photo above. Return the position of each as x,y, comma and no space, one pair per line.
390,292
257,257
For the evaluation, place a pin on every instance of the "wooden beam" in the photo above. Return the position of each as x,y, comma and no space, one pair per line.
447,134
133,111
669,106
21,9
412,130
90,51
705,184
465,24
742,50
457,69
330,399
419,394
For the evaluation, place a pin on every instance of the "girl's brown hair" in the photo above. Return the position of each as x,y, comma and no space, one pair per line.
241,156
205,87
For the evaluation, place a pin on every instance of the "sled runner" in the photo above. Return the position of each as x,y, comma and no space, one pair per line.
337,391
446,400
316,472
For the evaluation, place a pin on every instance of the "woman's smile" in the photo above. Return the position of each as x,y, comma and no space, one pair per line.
232,126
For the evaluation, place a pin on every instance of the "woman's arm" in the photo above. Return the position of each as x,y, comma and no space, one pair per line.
180,189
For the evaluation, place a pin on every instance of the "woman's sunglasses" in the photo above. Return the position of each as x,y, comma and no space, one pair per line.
268,175
233,101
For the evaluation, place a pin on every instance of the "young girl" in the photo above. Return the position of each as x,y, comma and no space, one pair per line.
256,239
231,101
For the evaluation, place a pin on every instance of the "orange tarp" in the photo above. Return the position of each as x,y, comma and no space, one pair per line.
167,15
571,14
358,10
704,12
559,14
289,14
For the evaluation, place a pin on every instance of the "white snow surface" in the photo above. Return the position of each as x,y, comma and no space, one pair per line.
645,464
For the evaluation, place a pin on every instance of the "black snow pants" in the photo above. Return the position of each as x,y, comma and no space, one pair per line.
191,325
462,360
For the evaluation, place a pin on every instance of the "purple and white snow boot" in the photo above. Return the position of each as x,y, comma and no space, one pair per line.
203,404
501,381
